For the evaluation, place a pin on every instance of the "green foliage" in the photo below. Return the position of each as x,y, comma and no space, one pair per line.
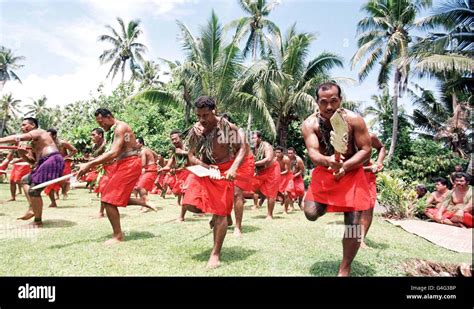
429,159
395,196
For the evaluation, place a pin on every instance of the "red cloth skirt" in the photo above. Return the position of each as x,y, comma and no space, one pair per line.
267,181
57,186
350,193
179,187
147,179
286,184
104,179
122,181
372,182
245,172
298,184
91,176
18,172
209,195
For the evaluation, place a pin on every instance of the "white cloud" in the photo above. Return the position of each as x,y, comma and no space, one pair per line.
61,89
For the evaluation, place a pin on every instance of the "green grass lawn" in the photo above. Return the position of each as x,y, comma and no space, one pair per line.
72,243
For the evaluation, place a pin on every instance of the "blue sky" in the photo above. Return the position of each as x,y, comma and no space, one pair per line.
59,38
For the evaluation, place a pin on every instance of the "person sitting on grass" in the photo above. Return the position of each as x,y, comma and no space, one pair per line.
435,200
457,207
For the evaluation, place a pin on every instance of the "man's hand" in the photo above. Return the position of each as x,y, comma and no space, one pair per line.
83,169
23,148
339,174
334,164
231,174
379,168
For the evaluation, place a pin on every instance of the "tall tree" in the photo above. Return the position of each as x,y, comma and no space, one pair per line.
286,80
253,27
383,37
9,109
125,47
148,75
8,63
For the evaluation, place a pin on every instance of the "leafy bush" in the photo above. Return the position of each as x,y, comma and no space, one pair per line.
430,159
395,196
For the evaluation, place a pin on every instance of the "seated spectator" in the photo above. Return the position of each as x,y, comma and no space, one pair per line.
435,200
457,207
421,191
457,169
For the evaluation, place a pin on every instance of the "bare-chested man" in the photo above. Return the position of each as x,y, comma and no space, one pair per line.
98,148
437,198
19,170
49,164
286,185
337,186
457,207
68,151
297,168
370,172
211,147
267,173
116,192
149,170
176,167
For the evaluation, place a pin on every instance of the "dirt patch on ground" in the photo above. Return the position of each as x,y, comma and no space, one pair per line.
417,268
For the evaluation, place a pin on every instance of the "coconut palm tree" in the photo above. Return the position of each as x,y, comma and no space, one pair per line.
285,81
38,109
254,26
9,109
8,63
148,75
125,47
211,68
383,37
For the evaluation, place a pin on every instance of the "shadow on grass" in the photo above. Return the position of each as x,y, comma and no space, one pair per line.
330,268
376,245
338,222
131,236
228,255
58,223
264,217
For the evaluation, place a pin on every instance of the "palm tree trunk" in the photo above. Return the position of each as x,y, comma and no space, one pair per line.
393,144
282,131
254,54
249,122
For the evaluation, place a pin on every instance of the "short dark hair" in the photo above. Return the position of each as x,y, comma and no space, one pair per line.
104,112
291,148
279,148
422,187
31,120
205,101
226,116
258,133
442,181
327,86
98,131
141,140
53,132
175,132
461,175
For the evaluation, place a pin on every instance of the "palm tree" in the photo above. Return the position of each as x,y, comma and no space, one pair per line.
212,68
124,47
148,75
9,109
39,110
384,36
437,120
8,63
285,81
254,25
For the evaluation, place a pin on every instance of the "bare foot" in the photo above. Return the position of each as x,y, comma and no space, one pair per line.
254,207
344,272
99,216
363,245
285,212
11,200
179,220
53,206
115,240
27,216
65,196
35,224
213,262
237,232
269,217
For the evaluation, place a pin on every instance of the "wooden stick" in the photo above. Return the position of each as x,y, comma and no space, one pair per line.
11,147
47,183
